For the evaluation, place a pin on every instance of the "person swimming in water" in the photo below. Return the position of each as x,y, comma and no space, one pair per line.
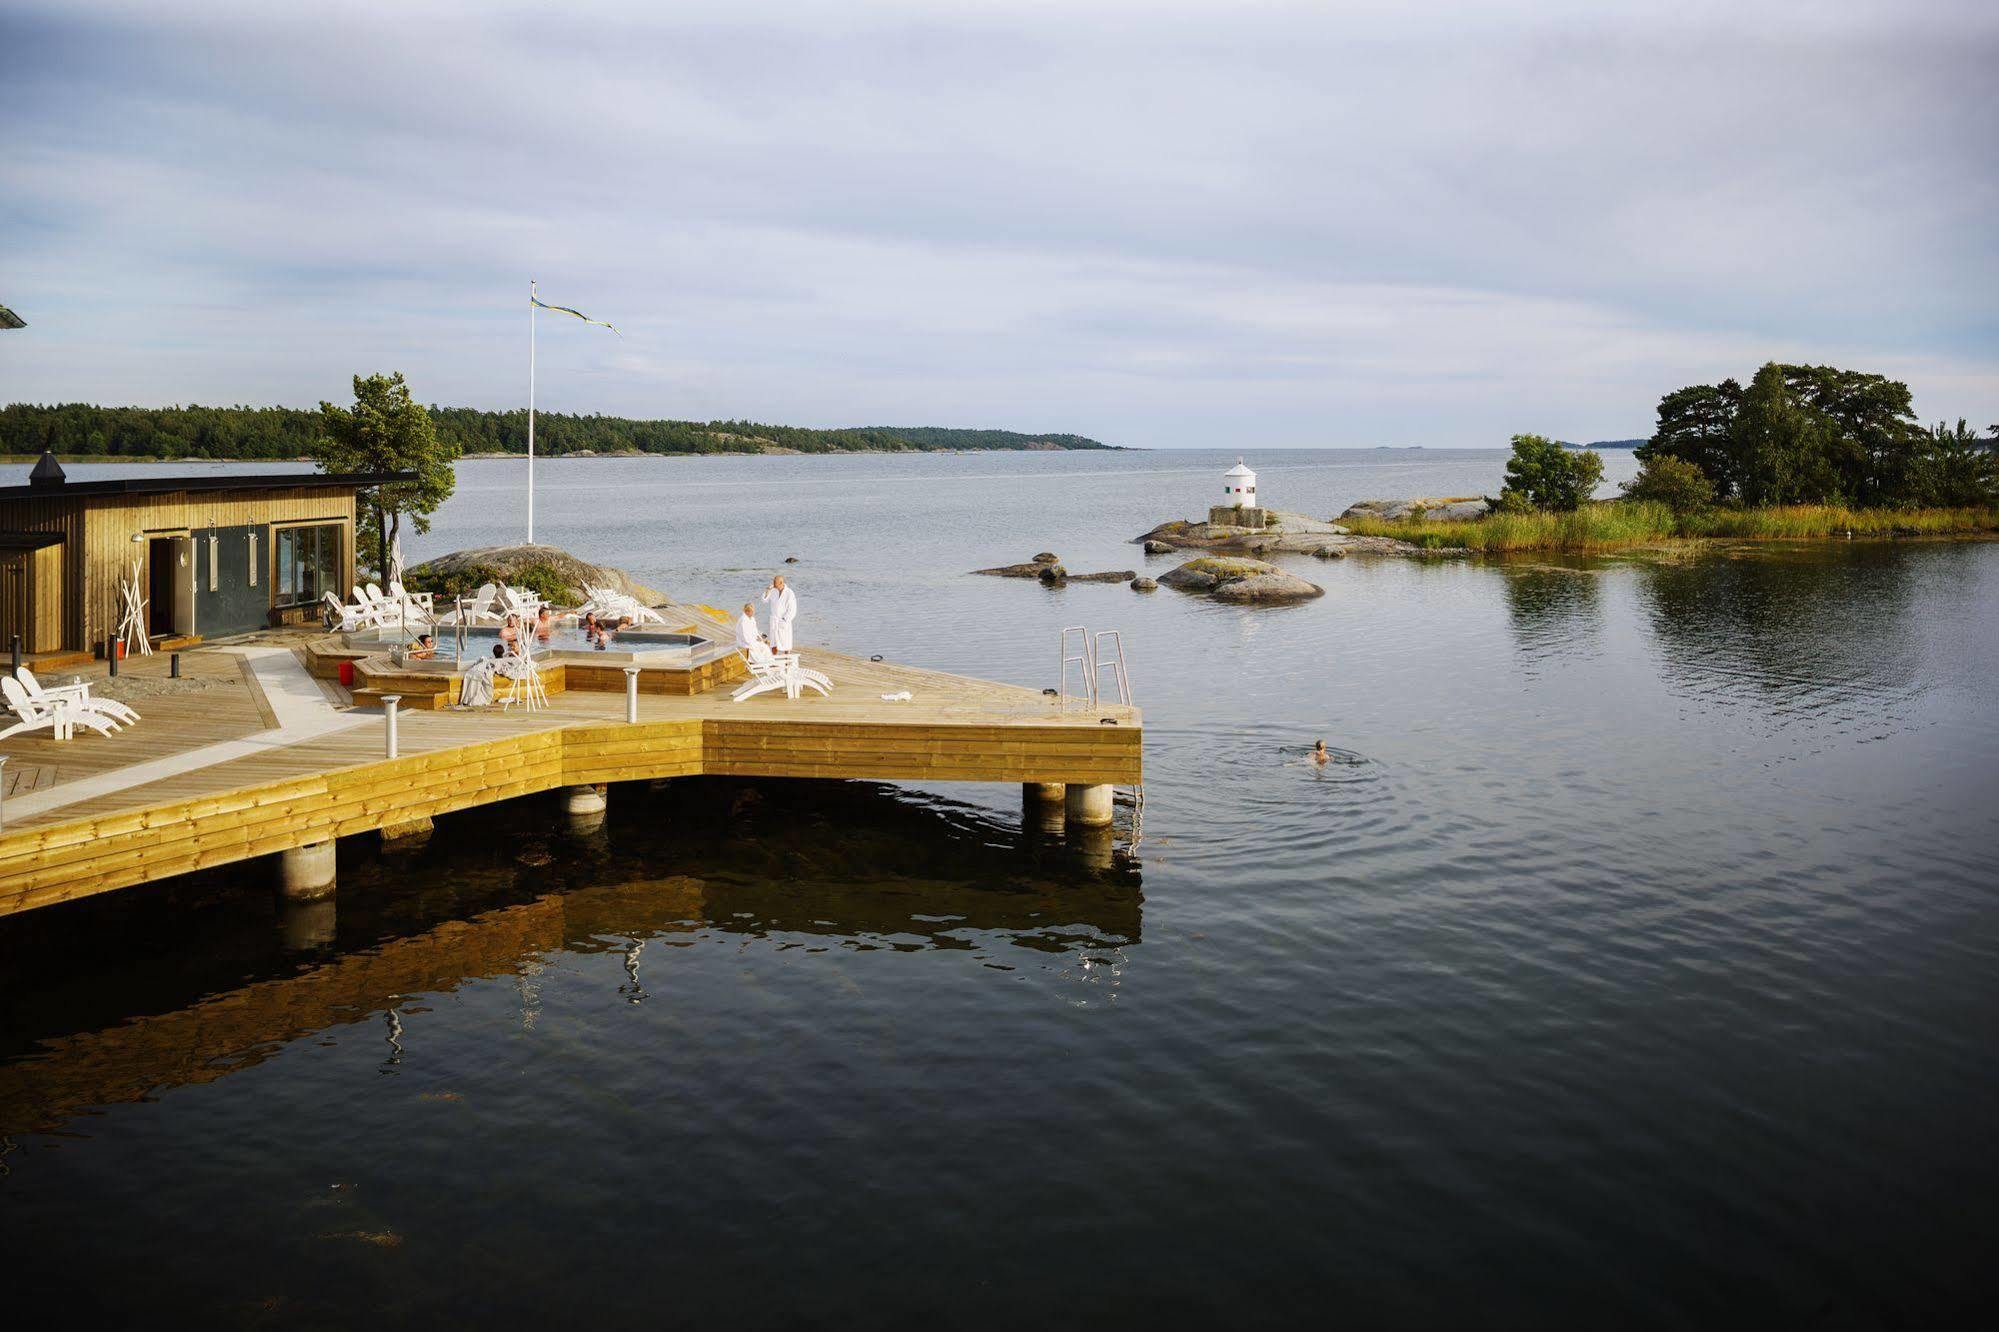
1319,754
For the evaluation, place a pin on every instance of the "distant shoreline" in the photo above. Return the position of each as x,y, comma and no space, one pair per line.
583,455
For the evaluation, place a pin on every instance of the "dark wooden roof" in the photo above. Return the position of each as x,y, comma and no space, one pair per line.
162,485
29,540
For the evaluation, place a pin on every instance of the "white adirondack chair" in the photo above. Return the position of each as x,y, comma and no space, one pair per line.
777,670
79,695
345,617
417,600
610,604
516,601
60,715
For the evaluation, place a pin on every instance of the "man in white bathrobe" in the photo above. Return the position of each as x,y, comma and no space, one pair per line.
746,628
783,603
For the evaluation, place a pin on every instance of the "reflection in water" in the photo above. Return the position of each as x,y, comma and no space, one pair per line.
1556,609
850,865
395,1039
1821,632
633,991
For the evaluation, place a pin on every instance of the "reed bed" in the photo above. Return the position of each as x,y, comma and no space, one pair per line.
1622,524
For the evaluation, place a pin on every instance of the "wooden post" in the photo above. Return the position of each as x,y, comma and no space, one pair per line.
632,695
1089,806
389,702
1041,807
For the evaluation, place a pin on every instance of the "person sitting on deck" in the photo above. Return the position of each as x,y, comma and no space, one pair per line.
746,628
475,686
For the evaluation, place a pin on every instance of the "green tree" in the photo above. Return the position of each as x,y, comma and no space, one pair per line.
385,431
1779,448
1693,426
1547,476
1673,482
1954,468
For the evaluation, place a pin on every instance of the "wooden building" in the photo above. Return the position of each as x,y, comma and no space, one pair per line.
216,555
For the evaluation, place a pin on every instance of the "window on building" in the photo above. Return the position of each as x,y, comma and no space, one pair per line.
308,563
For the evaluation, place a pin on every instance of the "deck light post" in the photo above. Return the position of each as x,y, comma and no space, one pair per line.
632,695
389,702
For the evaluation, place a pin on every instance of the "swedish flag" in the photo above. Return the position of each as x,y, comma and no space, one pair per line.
563,309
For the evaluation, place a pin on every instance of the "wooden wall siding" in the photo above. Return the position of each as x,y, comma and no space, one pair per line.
607,679
31,598
45,614
99,550
17,596
57,862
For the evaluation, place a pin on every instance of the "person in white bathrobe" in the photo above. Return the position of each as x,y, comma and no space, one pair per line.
783,603
746,628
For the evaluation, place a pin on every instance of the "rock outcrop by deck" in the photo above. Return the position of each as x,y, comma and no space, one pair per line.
526,565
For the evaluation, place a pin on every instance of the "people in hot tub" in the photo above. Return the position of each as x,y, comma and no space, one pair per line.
544,624
510,634
424,648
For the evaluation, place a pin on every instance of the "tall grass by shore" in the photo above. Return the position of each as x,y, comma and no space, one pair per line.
1622,524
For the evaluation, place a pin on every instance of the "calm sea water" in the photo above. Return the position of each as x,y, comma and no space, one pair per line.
1637,963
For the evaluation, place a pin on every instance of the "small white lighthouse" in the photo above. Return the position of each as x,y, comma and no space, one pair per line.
1239,486
1239,506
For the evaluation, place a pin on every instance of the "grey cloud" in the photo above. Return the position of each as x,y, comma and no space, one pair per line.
1325,224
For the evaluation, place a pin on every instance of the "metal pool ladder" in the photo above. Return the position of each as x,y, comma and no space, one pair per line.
1091,655
1114,659
1084,656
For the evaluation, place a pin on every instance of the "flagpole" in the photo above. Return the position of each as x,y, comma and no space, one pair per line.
530,411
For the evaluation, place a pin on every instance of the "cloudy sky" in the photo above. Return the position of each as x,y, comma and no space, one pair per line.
1162,224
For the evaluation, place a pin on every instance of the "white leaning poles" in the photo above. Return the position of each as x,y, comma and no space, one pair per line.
132,622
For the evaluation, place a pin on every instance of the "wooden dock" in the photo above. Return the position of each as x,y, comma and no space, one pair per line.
228,771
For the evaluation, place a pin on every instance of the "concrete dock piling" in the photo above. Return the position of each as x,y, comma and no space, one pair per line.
306,873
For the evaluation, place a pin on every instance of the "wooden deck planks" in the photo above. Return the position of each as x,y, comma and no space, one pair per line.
954,729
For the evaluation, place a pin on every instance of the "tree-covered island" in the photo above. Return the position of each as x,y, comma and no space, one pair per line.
85,431
1802,451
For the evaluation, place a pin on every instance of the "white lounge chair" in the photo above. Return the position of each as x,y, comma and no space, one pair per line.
341,616
50,712
610,604
419,600
391,612
516,601
777,670
79,693
475,608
